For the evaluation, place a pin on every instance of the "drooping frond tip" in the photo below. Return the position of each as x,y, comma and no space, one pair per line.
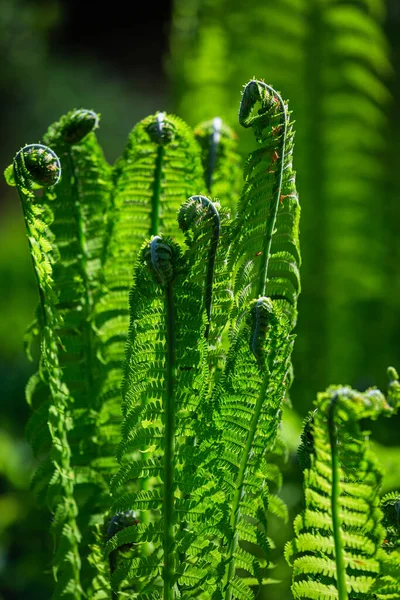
261,315
78,125
162,258
258,91
161,130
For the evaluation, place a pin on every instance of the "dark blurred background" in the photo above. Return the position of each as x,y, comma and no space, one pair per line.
338,61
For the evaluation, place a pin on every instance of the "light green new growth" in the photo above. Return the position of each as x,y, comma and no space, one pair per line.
36,166
200,345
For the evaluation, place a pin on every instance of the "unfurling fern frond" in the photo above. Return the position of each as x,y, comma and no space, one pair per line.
36,166
221,161
335,553
206,229
265,233
248,398
79,206
165,378
159,169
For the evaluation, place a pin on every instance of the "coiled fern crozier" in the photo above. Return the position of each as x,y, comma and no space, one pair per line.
168,299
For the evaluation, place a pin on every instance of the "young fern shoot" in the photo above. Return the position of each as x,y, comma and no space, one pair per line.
265,252
37,166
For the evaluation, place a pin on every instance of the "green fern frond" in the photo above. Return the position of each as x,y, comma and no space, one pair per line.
159,169
335,553
165,378
265,233
36,166
387,585
206,230
247,401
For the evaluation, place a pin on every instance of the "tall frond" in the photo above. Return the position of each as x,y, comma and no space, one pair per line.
248,401
159,169
37,166
165,378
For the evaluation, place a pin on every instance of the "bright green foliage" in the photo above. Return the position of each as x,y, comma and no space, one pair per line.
331,59
256,369
165,378
36,166
158,171
200,348
79,206
335,553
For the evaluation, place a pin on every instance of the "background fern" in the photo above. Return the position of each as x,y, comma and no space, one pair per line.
331,59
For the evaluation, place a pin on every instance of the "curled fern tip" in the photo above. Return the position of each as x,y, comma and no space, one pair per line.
39,163
79,125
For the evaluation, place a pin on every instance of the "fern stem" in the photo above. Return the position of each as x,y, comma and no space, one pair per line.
235,513
155,212
211,266
169,451
335,497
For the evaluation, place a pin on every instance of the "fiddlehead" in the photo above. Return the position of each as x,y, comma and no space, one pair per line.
265,247
198,215
38,165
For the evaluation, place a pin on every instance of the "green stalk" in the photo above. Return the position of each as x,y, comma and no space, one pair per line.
211,266
169,450
235,513
155,213
335,497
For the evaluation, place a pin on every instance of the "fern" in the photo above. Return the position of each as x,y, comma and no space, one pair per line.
156,173
387,585
200,349
249,398
165,373
335,553
265,245
37,166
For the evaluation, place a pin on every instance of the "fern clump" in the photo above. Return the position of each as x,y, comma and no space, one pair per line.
186,303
